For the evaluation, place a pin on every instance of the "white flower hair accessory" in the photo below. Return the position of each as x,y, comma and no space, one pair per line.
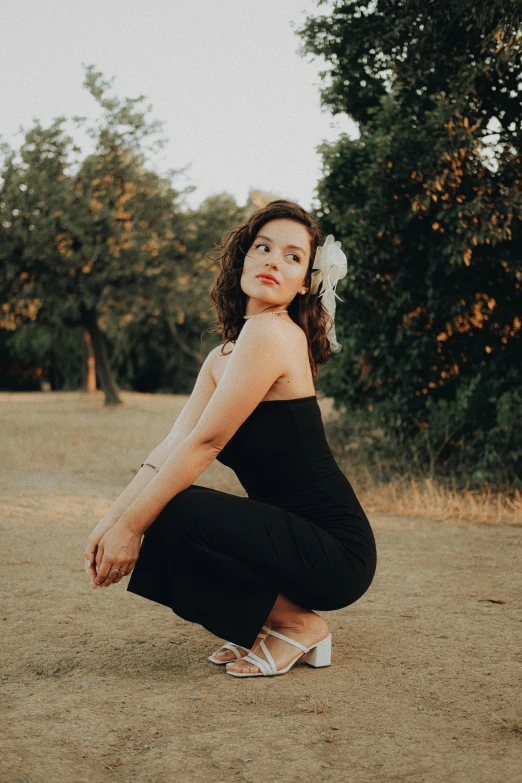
330,266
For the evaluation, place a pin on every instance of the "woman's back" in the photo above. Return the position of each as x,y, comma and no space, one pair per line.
281,456
280,447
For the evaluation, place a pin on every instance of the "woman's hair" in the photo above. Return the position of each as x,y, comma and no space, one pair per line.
230,300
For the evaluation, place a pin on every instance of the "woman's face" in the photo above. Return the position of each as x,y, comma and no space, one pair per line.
280,249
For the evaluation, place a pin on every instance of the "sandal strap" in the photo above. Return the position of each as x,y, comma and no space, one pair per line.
259,662
287,639
232,646
273,664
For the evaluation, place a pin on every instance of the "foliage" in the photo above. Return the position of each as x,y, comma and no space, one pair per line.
427,203
103,242
37,356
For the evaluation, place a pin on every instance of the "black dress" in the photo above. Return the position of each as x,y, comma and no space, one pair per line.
220,560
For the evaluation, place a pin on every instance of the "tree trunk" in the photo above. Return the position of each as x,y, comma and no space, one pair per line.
54,376
182,345
89,362
90,322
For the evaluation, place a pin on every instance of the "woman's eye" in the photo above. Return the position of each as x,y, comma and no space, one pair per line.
262,244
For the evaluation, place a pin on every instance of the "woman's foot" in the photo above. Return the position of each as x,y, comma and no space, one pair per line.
307,628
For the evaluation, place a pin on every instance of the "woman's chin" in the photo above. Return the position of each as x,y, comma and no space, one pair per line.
268,302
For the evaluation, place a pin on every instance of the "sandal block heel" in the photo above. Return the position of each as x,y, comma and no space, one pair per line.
321,654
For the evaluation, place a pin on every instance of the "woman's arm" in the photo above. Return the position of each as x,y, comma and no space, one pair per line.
257,361
145,474
133,490
183,426
118,548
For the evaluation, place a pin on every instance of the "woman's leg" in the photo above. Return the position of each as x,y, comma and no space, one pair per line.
225,561
178,567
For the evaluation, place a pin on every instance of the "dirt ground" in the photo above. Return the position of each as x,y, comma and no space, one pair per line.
104,685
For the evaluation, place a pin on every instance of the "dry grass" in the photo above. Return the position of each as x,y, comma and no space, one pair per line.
409,496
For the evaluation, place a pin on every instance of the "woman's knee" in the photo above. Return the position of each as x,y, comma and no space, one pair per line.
183,513
168,519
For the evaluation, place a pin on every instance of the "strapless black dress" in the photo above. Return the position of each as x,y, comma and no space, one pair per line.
220,560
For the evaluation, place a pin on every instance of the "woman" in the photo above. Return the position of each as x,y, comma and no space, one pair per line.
251,569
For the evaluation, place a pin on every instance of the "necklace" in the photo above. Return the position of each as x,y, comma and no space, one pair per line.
273,312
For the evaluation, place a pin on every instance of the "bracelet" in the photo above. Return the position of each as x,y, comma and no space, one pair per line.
150,465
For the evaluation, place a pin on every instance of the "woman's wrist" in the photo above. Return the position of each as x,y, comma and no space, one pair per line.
129,524
111,519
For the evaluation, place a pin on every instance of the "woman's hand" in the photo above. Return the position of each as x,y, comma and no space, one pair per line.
92,543
116,555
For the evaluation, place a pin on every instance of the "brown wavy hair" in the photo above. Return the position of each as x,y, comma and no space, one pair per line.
226,294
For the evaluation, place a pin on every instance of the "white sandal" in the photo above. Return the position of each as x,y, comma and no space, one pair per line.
319,654
234,648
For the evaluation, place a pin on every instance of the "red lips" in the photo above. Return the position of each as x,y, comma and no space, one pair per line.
268,277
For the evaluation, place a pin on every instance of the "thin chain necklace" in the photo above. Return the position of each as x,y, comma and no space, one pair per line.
273,312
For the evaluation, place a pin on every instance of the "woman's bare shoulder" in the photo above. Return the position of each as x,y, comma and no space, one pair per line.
288,333
221,350
284,328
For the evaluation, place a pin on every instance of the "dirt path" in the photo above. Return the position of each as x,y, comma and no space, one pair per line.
103,685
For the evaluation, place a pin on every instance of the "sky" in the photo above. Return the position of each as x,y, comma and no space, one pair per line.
240,105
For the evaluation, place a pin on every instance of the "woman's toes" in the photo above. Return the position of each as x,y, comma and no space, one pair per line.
242,667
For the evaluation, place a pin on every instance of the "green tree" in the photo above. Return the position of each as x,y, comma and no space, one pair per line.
103,239
427,203
35,191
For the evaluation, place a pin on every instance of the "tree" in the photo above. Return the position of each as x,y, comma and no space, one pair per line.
81,244
427,203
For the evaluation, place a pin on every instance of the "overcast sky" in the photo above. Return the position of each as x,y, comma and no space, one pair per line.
240,104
